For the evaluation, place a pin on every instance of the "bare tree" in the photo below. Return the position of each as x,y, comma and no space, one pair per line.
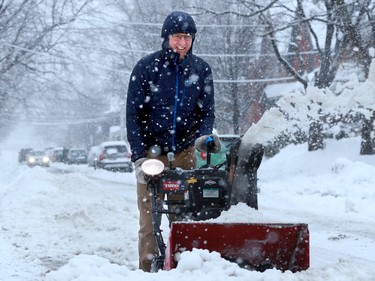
230,43
29,29
75,57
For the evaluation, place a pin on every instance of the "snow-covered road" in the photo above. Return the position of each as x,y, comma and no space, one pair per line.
48,215
71,222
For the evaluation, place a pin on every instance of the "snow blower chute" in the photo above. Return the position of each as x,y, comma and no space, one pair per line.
193,196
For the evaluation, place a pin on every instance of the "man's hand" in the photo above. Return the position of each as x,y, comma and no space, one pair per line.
204,142
139,174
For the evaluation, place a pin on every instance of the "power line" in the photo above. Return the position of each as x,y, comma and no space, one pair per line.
257,55
80,62
159,25
253,80
59,122
233,55
203,55
147,52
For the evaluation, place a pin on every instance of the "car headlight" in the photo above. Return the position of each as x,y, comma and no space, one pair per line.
45,159
31,160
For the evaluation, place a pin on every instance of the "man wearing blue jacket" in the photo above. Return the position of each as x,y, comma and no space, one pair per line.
170,103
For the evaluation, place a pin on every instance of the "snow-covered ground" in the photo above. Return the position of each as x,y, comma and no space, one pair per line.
70,222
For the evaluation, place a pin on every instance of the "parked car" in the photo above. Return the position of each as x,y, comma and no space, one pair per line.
217,158
114,156
22,155
93,155
59,154
37,158
76,156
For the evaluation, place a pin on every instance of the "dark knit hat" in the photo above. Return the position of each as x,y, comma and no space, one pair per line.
177,22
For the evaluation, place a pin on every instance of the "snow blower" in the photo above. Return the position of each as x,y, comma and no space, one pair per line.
193,196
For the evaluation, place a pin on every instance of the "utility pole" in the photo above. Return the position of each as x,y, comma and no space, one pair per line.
122,121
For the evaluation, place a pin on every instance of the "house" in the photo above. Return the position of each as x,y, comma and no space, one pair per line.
274,80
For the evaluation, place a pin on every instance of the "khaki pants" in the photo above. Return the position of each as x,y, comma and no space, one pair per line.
147,247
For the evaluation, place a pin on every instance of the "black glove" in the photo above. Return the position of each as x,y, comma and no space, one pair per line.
208,141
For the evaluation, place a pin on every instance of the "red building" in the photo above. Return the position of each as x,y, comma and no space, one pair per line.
273,80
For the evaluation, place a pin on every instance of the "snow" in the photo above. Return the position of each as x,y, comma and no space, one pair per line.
299,109
71,222
277,90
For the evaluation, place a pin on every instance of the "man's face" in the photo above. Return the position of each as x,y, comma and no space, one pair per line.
181,43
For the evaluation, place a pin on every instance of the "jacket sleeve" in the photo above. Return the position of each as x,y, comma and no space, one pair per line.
207,103
135,111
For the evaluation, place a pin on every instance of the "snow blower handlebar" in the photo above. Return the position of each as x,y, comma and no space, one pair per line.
152,169
210,144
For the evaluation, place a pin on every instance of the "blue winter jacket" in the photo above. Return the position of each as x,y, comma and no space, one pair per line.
169,103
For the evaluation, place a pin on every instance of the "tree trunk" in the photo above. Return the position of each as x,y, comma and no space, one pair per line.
236,111
315,140
366,142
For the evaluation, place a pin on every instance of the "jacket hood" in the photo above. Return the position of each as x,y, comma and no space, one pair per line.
177,22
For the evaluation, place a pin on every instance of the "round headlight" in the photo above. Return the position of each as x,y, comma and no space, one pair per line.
152,167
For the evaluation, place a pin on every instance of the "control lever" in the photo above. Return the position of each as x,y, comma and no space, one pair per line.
170,156
210,144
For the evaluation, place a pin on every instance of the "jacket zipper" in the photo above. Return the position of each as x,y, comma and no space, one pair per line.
176,103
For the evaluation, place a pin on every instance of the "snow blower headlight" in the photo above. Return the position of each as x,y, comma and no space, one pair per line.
152,167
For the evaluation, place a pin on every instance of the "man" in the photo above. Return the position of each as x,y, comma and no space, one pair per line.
170,103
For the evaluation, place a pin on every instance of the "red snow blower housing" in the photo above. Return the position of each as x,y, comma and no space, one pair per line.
189,197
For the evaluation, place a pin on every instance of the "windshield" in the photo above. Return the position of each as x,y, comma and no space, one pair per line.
38,153
78,152
116,149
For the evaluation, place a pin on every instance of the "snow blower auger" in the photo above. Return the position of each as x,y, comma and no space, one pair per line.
193,196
